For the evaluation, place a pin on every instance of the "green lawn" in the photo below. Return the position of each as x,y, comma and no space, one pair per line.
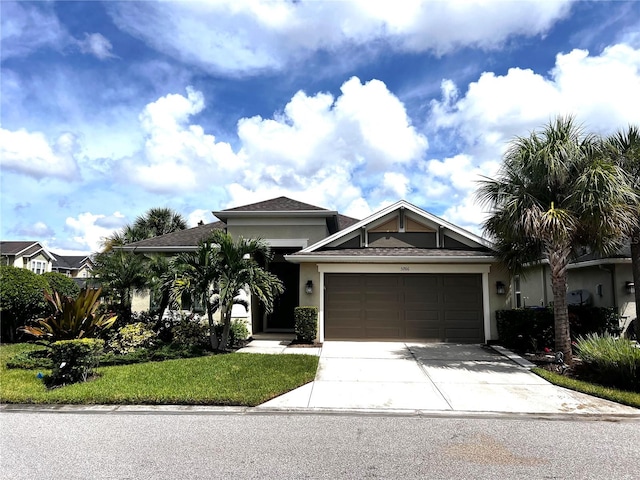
231,379
621,396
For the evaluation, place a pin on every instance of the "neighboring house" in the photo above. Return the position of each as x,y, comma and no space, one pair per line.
29,254
73,266
402,273
592,280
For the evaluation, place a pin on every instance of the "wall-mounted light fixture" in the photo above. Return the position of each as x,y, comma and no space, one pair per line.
630,287
500,288
308,287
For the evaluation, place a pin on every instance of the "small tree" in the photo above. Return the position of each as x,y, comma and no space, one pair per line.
556,191
21,299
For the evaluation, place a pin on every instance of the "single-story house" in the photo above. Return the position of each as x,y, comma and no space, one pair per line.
399,274
592,280
26,254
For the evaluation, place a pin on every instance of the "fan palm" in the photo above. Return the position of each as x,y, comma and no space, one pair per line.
624,147
556,191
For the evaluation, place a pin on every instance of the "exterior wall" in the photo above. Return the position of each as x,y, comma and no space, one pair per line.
498,273
605,283
311,230
626,301
24,262
141,301
84,272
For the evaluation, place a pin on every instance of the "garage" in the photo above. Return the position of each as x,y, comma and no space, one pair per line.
427,307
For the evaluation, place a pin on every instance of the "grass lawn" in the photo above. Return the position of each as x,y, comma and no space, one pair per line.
231,379
621,396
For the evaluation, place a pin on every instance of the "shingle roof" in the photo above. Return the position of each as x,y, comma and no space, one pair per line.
344,221
395,252
69,262
9,247
182,238
280,204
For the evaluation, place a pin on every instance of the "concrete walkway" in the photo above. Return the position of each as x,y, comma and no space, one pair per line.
388,376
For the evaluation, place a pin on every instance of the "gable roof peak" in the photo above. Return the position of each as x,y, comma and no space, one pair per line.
279,204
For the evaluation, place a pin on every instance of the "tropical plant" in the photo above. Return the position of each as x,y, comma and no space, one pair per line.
242,264
21,299
72,318
196,275
219,269
557,190
73,360
61,283
624,147
610,361
121,273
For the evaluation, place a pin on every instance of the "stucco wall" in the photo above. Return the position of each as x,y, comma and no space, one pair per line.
310,233
498,302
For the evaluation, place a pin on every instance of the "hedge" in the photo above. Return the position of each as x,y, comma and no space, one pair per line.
306,323
533,328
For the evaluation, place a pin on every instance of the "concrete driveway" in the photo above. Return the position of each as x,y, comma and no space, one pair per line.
432,377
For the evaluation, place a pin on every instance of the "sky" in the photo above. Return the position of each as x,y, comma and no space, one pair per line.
111,108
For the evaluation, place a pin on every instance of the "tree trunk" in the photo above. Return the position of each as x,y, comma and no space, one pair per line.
213,338
558,262
164,303
635,268
226,318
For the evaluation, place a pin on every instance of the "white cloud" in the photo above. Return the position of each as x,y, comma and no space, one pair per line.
199,215
246,36
97,45
29,153
25,28
596,89
176,155
87,232
36,230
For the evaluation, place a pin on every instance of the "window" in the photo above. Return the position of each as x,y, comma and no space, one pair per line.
516,289
38,266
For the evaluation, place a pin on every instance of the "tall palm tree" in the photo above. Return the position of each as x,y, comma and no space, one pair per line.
625,151
556,191
217,272
158,221
196,273
242,265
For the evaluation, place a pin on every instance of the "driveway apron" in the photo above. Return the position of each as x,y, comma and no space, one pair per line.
432,377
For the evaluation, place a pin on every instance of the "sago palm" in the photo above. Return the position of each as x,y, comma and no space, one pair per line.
556,190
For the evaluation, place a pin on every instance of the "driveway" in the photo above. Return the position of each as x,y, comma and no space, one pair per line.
432,377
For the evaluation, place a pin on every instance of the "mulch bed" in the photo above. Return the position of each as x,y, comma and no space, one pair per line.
301,344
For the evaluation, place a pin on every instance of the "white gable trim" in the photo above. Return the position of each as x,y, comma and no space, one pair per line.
391,208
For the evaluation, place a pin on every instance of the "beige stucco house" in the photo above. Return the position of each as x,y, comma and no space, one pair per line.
592,280
26,254
401,273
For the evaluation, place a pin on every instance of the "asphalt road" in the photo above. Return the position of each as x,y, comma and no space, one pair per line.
300,446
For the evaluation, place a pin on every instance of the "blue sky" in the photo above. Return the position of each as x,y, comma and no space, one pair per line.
111,108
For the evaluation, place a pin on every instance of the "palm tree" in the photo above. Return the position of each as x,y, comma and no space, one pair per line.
242,265
196,273
121,272
625,151
556,191
219,269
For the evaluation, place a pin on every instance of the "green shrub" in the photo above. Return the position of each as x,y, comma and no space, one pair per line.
306,323
32,359
72,318
21,299
610,361
73,360
132,337
533,328
189,332
61,283
237,333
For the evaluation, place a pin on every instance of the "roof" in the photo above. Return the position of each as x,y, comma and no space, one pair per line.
345,222
177,241
280,204
70,262
377,254
23,248
391,208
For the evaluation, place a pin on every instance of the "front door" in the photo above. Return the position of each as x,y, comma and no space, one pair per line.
282,318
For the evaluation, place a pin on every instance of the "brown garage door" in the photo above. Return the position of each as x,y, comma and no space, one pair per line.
432,307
